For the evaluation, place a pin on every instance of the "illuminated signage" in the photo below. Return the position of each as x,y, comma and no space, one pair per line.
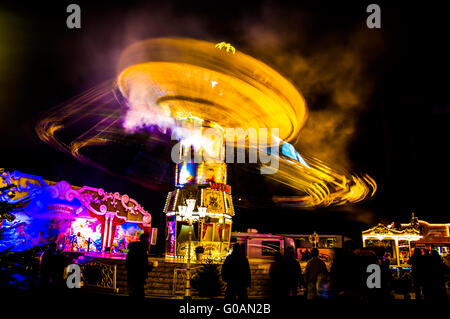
221,187
60,209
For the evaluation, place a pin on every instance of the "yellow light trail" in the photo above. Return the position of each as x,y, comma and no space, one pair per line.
164,80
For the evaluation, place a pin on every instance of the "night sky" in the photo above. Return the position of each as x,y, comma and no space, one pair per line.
399,126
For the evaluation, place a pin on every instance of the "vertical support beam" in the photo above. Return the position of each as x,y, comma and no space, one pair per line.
397,252
187,293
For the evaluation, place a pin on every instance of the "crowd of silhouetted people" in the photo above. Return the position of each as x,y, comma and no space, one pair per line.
53,265
428,272
345,277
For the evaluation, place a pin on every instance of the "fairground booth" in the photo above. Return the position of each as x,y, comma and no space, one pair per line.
400,240
79,219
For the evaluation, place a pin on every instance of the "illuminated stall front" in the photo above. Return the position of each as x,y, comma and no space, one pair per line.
434,236
76,218
201,188
396,242
401,239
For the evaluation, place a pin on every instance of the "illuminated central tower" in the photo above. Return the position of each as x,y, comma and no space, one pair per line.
201,174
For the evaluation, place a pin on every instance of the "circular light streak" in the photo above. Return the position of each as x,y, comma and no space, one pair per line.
185,76
163,81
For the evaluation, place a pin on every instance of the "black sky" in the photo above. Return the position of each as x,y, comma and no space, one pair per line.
401,133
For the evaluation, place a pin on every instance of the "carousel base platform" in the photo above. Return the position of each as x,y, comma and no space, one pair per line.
107,273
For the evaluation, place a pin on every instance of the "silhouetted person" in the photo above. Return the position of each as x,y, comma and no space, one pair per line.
403,283
446,261
41,240
366,257
45,267
236,273
315,272
294,276
386,275
137,266
52,269
417,271
306,255
345,272
433,279
278,277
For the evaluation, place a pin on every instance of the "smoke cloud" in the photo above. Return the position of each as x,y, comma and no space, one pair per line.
331,69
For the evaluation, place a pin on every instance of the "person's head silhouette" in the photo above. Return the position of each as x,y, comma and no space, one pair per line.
349,245
434,253
278,257
315,253
143,239
290,251
236,249
380,252
417,252
52,247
